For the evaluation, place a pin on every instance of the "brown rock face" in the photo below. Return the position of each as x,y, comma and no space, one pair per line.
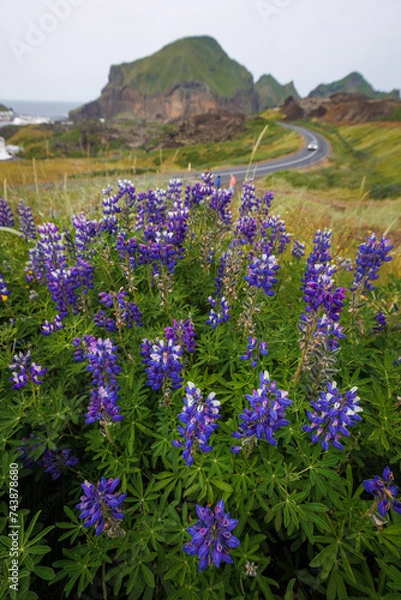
344,108
183,101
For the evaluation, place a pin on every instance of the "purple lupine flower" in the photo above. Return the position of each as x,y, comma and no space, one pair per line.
397,361
54,461
275,233
333,414
198,418
27,224
49,327
125,313
211,537
182,333
215,318
327,333
102,357
249,201
261,273
384,492
163,363
24,371
246,229
219,201
266,415
381,321
320,292
85,232
254,350
371,255
4,291
6,216
100,505
320,255
207,183
298,249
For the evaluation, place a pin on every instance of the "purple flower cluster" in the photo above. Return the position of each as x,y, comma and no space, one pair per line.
48,263
183,334
275,233
100,505
215,318
85,232
266,415
54,461
319,292
261,273
198,418
246,229
211,536
320,255
381,321
24,371
49,327
102,357
384,491
254,350
219,201
298,249
163,363
27,224
333,414
4,291
371,255
6,216
125,313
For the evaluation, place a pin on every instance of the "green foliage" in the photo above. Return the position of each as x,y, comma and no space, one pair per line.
303,514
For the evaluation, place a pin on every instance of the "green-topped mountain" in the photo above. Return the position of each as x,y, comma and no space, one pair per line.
190,76
354,83
271,93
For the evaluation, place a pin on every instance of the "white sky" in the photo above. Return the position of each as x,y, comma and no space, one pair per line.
309,41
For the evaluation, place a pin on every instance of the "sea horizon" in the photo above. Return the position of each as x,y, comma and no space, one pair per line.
42,108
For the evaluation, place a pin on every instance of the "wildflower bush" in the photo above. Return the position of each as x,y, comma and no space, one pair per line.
199,406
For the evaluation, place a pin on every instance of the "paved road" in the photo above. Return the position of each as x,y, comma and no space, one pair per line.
301,159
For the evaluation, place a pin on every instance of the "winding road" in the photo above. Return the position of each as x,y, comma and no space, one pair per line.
301,159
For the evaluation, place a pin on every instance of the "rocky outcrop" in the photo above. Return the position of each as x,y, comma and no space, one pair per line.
183,101
189,77
271,93
344,108
354,83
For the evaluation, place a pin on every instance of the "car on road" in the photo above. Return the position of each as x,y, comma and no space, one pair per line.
312,146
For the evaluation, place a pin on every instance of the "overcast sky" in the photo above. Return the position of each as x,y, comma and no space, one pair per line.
64,53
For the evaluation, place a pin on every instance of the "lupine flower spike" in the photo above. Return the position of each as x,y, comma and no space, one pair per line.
212,539
100,507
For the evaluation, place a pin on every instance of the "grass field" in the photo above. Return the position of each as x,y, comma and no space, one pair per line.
123,162
365,159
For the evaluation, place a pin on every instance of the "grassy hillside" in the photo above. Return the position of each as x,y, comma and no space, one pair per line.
118,160
272,93
365,159
190,59
354,83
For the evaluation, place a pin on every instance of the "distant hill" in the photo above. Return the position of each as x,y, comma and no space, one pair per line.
190,76
271,93
354,83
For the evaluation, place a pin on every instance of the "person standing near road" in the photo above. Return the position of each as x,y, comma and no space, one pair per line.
218,182
232,183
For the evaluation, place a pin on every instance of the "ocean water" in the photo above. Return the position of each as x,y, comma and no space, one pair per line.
38,108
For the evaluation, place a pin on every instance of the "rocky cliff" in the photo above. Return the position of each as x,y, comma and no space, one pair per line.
342,108
354,83
271,93
189,77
